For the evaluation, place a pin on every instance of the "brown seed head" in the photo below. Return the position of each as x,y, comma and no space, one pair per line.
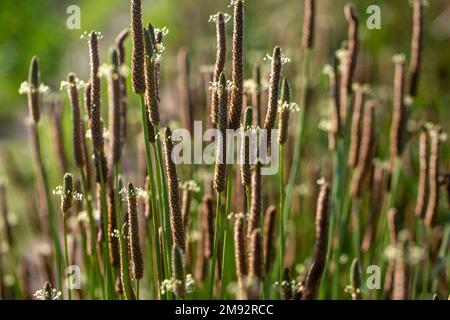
68,192
416,47
433,200
357,125
114,109
221,152
308,23
275,75
284,112
256,200
221,53
365,157
207,224
237,69
335,128
137,35
240,249
184,87
353,41
320,250
137,263
151,99
176,219
399,112
423,187
269,237
77,133
256,260
96,122
246,174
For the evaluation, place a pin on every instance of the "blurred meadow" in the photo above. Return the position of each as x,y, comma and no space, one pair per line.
38,28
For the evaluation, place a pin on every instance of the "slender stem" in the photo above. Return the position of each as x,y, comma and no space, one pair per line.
137,289
66,254
224,236
162,185
87,199
164,219
109,287
51,215
152,189
300,131
282,215
215,246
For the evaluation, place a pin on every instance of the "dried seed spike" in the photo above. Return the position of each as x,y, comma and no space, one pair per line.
87,99
275,75
423,187
308,24
416,47
221,152
355,279
256,261
240,249
320,249
113,241
184,87
176,219
393,225
114,109
269,237
137,263
402,273
344,82
137,61
365,157
34,81
237,70
399,112
246,174
67,195
255,200
352,41
151,99
96,122
221,53
357,125
335,120
433,165
207,224
178,271
77,132
120,39
284,112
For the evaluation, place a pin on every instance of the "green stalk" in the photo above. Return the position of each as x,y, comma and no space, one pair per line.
226,244
300,131
152,188
109,286
87,199
283,218
215,246
51,212
66,252
162,187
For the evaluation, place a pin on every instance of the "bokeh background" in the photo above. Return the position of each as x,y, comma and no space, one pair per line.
30,27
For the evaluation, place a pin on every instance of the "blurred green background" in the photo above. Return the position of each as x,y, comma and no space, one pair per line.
39,27
31,27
